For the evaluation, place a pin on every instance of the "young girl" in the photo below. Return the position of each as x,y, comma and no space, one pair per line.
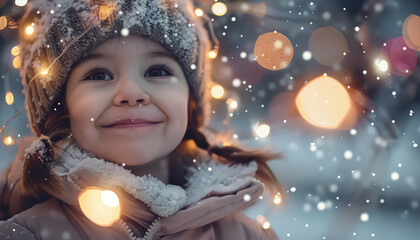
115,93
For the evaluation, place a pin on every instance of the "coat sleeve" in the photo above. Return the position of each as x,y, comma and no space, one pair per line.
12,230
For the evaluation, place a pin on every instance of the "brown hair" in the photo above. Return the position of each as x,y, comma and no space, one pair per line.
39,180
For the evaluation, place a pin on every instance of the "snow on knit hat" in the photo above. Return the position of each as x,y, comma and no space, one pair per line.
58,41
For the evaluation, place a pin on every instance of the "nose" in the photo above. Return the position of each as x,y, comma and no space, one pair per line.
130,92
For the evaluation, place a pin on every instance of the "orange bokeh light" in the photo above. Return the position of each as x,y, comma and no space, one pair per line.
325,103
411,32
101,207
273,51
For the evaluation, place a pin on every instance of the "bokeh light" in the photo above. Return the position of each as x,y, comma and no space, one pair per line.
217,91
44,72
327,45
277,199
21,3
16,62
101,207
381,64
262,130
9,141
273,51
15,51
232,103
219,8
212,54
325,103
104,12
9,98
411,33
199,12
401,59
3,22
29,30
263,221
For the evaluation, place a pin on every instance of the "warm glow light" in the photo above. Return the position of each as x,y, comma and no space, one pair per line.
277,199
232,103
100,206
3,22
212,54
29,30
381,64
219,8
266,225
263,221
16,62
104,12
410,32
262,130
21,3
217,91
9,141
15,51
9,98
44,72
324,102
199,12
273,51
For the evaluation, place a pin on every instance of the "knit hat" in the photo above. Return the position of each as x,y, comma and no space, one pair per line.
58,28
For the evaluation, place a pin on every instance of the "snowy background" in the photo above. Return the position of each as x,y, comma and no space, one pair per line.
356,183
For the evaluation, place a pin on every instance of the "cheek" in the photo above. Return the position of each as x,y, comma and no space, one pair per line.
82,110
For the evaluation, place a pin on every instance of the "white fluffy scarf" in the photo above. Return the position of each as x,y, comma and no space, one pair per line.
163,199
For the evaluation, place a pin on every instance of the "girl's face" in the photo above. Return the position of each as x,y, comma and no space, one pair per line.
120,84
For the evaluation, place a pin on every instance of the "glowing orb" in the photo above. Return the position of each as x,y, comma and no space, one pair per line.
29,30
104,12
217,91
100,206
327,45
16,62
232,103
277,199
9,141
199,12
15,51
273,51
9,98
401,59
325,103
263,221
3,22
381,64
212,54
411,33
262,130
21,3
44,72
219,8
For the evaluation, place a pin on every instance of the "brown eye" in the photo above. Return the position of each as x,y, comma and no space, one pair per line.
158,71
99,75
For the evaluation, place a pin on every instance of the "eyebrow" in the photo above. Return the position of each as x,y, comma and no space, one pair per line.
94,56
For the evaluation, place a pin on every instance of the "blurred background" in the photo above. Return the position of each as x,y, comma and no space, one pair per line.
333,85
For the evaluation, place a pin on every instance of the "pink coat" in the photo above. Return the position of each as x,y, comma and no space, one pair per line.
207,208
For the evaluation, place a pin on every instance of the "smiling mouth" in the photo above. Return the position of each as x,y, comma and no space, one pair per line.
133,125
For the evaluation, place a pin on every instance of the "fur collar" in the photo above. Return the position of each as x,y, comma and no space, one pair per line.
76,165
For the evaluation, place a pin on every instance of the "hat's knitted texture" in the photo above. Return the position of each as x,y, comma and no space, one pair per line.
172,23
